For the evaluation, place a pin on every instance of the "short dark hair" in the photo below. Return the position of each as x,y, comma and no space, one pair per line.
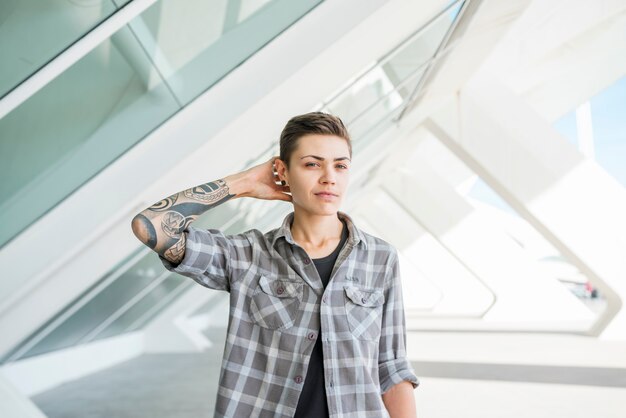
310,123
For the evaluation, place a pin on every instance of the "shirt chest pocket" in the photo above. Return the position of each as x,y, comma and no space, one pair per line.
274,303
364,308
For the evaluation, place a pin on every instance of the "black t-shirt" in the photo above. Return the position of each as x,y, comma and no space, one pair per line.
312,402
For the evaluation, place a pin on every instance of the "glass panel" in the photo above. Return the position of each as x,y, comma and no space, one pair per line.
33,32
75,126
376,96
362,124
126,299
566,126
608,127
107,301
167,290
369,130
126,87
121,3
216,36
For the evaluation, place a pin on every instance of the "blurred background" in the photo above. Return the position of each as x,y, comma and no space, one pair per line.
489,143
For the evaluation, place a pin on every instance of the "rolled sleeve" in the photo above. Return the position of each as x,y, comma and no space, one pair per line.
212,258
393,365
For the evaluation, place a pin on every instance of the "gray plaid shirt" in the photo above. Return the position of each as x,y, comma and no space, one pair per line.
277,301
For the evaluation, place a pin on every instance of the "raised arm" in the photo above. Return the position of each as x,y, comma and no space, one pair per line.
161,225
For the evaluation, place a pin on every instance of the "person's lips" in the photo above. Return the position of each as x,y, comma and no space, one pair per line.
326,193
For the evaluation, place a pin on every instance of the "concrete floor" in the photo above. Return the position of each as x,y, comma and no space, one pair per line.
462,375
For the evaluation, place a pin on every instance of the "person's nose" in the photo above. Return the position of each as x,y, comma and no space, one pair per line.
328,176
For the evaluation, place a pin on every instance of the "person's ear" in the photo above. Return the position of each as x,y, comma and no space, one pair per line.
280,171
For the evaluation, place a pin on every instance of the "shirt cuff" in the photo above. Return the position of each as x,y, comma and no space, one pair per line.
194,262
395,371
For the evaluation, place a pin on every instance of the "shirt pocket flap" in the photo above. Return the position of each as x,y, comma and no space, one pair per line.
280,288
368,298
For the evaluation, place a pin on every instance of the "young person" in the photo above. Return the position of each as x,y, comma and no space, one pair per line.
316,326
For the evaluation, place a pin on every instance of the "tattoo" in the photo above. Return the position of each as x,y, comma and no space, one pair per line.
176,253
175,213
174,223
209,192
149,233
164,204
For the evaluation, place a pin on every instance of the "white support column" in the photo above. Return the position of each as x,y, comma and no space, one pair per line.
435,283
525,297
571,200
15,404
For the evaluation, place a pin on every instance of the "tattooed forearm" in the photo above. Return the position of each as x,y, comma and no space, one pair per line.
176,252
209,192
161,226
174,223
164,204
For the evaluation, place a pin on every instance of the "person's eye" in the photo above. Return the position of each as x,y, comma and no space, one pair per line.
309,164
343,166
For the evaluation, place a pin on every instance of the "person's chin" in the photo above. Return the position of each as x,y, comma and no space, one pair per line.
328,208
317,209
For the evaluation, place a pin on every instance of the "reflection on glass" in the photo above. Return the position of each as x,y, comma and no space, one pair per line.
216,37
122,90
76,125
368,105
134,316
104,298
120,3
126,299
608,129
33,32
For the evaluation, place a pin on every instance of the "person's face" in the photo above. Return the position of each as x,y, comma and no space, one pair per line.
319,163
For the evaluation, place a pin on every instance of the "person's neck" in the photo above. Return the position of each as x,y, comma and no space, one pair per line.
315,231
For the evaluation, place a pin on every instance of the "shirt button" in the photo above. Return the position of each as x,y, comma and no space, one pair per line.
298,379
362,300
280,290
324,299
307,261
311,336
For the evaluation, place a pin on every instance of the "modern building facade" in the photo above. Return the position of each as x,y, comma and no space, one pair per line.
489,144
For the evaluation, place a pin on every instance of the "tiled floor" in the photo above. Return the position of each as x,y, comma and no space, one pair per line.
462,375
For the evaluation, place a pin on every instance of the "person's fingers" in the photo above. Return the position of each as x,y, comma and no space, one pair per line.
281,187
282,196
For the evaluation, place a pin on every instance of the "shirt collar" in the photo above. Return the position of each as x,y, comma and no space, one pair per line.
355,235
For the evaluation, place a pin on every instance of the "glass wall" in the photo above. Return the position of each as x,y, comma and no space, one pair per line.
133,293
33,32
123,89
126,299
370,104
606,123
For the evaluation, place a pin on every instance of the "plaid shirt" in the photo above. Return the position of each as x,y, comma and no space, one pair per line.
277,301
